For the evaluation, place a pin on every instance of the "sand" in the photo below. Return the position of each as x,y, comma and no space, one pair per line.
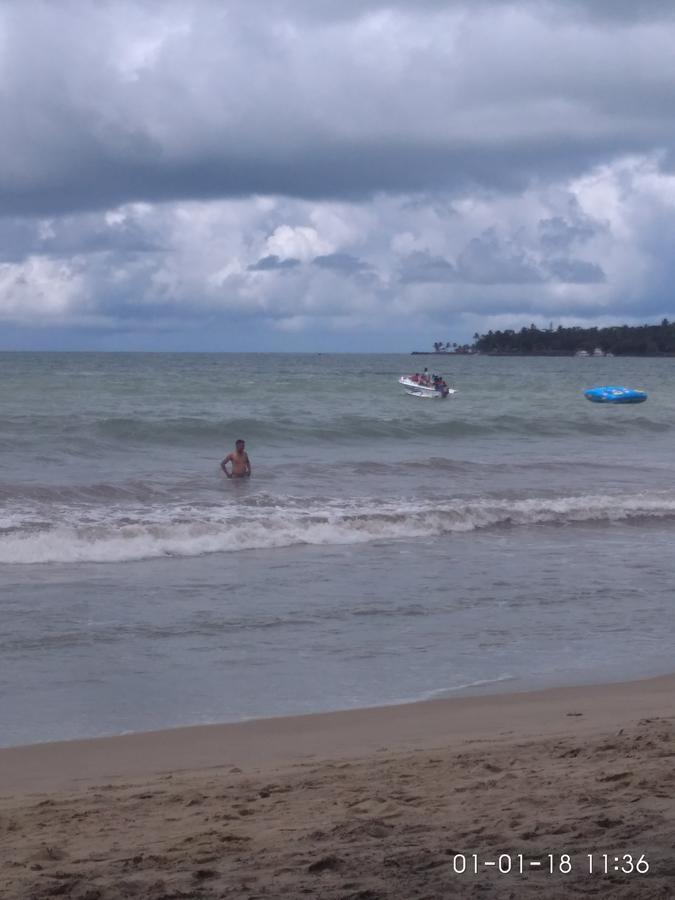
365,805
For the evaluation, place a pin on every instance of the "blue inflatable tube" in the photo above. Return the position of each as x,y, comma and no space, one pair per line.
614,393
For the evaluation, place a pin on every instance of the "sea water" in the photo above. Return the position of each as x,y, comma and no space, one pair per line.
387,548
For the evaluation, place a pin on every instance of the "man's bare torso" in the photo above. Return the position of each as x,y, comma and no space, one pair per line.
240,464
238,459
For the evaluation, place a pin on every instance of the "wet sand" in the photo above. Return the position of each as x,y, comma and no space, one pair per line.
365,805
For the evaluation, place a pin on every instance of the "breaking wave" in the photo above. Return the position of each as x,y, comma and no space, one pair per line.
119,534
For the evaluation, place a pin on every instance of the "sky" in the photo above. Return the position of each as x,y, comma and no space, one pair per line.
352,175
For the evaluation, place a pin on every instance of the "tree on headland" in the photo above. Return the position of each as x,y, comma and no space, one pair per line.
620,340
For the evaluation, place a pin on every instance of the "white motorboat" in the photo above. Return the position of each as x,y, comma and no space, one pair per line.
416,389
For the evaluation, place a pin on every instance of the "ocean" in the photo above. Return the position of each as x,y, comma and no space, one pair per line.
386,549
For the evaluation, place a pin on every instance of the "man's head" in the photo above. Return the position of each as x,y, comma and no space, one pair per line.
240,445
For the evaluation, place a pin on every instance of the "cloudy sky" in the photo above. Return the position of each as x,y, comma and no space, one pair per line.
331,174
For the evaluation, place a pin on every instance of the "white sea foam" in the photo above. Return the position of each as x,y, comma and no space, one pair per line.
468,685
118,535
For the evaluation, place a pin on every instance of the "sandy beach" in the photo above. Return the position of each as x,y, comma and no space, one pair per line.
369,804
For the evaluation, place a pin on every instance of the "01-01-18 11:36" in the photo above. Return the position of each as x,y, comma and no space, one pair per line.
552,863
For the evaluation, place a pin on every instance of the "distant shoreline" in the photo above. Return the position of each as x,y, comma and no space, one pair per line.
551,354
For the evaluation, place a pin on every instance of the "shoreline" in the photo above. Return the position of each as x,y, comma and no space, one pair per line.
270,743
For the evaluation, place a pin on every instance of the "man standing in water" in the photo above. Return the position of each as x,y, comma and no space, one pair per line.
241,464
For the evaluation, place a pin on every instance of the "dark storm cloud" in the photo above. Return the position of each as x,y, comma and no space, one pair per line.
612,10
486,261
69,236
110,103
558,234
422,268
18,238
575,271
341,262
620,11
273,263
319,171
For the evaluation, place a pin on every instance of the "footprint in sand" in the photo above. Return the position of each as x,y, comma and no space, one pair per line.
49,852
376,809
325,864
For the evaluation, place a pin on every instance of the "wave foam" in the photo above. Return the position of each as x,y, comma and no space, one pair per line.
125,536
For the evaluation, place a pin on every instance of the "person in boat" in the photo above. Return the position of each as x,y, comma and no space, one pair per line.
441,386
241,464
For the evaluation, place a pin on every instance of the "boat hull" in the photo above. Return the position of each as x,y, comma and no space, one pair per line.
421,390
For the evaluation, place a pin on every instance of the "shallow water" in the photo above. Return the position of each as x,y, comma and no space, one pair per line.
386,549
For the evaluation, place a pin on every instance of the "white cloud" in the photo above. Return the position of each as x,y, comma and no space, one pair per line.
40,289
299,242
